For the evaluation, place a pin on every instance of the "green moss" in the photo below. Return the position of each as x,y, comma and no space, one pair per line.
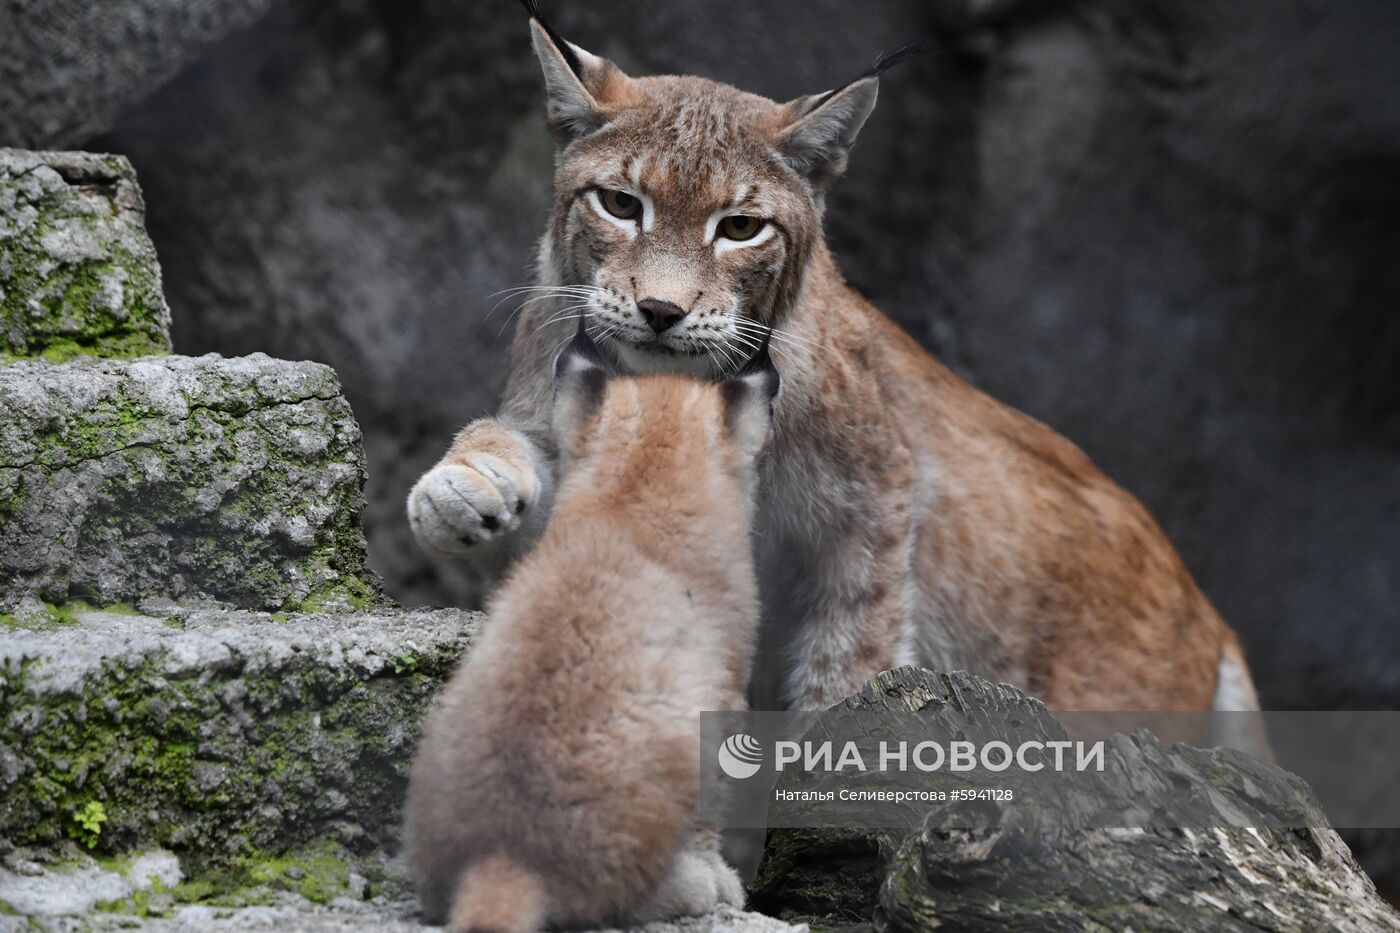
342,593
223,764
319,876
318,873
154,901
122,346
66,613
119,864
73,297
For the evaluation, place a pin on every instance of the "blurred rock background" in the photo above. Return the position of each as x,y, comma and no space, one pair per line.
1169,229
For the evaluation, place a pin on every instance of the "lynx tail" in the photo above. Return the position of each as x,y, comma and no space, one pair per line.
496,895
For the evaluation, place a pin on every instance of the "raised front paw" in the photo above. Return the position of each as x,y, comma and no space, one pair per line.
456,506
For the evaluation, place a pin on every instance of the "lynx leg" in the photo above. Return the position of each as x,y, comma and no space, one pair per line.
857,626
1237,723
699,881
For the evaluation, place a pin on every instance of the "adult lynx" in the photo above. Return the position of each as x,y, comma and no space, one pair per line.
557,783
905,516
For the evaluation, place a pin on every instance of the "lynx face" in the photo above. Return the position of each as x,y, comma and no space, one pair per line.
686,210
693,247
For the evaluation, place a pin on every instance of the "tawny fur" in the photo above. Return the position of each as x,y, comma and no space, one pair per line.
497,895
906,517
558,778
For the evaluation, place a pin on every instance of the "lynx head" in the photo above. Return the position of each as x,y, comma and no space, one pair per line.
661,435
686,210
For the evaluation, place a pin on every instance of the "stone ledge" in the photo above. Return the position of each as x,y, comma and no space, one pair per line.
203,480
78,274
216,732
149,891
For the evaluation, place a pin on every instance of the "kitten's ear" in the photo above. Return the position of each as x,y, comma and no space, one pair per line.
583,90
749,398
580,376
818,131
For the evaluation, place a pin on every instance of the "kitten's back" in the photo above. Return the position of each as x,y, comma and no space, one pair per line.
561,760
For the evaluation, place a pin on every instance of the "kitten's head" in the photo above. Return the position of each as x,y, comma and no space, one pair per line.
688,210
660,435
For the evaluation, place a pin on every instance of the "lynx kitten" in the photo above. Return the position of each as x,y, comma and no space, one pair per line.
557,780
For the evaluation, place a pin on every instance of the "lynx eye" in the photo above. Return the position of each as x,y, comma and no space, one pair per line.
620,204
740,227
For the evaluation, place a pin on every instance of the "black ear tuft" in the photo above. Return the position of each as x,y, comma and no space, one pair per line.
887,60
762,361
580,381
581,353
750,400
883,63
565,49
759,376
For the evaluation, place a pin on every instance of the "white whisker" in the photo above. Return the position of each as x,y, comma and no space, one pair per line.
789,348
726,352
591,289
778,334
560,314
750,344
520,307
562,291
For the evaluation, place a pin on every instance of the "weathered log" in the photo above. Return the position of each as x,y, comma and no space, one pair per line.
1198,856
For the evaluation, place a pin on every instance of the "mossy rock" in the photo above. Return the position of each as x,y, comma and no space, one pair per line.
216,733
1209,839
199,480
78,274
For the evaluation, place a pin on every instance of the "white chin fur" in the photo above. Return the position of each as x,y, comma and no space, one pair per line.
638,360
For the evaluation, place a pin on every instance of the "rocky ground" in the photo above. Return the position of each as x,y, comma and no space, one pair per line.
322,894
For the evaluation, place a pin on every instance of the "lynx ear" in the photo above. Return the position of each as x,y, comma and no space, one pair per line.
582,89
749,398
817,132
580,377
820,130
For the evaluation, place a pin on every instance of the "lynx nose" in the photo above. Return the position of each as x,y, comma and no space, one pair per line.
660,314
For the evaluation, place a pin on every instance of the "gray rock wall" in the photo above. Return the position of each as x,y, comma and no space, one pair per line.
68,68
1167,228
